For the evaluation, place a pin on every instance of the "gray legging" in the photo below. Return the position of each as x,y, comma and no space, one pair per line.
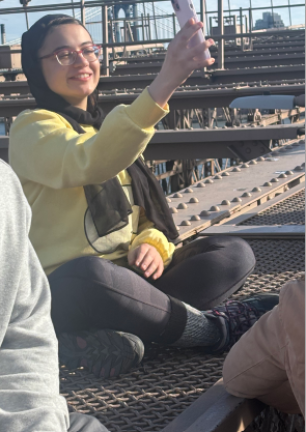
90,292
84,423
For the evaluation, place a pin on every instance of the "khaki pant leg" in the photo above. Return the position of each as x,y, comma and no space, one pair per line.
292,317
267,363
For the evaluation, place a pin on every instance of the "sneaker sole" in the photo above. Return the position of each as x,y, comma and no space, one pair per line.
105,353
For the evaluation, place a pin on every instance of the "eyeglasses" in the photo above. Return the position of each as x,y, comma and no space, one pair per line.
67,57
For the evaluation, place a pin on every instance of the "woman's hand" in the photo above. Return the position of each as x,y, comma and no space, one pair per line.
179,63
147,259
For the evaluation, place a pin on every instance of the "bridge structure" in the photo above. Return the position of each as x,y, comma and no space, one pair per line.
225,171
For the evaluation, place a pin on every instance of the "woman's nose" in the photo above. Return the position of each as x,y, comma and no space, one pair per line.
81,60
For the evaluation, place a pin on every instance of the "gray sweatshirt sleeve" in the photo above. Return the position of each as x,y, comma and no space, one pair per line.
29,374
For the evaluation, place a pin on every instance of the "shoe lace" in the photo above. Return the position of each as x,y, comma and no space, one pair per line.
240,317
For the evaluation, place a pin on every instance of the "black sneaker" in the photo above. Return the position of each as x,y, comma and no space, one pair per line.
105,353
236,318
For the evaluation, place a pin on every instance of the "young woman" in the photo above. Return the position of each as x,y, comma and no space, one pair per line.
101,226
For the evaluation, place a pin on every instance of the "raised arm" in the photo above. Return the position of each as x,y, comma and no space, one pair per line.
46,150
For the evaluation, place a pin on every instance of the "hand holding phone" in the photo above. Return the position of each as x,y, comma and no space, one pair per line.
180,62
185,10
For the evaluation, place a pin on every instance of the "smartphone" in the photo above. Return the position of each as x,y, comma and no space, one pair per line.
185,10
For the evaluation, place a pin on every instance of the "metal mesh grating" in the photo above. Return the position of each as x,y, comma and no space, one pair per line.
288,212
147,400
278,261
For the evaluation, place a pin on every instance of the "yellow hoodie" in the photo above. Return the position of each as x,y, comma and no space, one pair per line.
54,162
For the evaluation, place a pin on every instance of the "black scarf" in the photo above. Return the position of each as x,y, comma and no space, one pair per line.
107,202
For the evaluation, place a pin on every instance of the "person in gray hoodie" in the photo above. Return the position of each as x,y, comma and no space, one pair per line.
29,374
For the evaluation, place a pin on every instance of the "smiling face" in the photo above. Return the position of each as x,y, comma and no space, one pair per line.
73,82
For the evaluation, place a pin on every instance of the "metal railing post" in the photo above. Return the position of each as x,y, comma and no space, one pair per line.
290,17
251,28
206,14
229,7
272,14
209,31
3,36
105,66
83,17
26,15
204,17
250,21
149,26
73,12
145,19
202,10
174,24
221,31
241,28
135,23
143,28
155,23
112,36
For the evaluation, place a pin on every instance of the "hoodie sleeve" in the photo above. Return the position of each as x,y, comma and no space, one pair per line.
29,374
46,150
148,234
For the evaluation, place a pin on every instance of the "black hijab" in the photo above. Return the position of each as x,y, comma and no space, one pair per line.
108,205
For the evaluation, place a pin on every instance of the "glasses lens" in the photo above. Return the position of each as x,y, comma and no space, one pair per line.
91,53
66,57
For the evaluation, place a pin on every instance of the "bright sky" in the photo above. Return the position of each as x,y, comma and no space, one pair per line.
16,25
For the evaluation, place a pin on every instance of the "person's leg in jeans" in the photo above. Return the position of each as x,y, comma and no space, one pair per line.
268,362
85,423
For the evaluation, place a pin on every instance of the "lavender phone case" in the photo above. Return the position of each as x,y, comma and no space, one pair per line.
185,10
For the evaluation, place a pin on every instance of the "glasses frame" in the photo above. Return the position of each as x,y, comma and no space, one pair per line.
78,52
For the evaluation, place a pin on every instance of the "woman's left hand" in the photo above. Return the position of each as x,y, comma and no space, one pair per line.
148,259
